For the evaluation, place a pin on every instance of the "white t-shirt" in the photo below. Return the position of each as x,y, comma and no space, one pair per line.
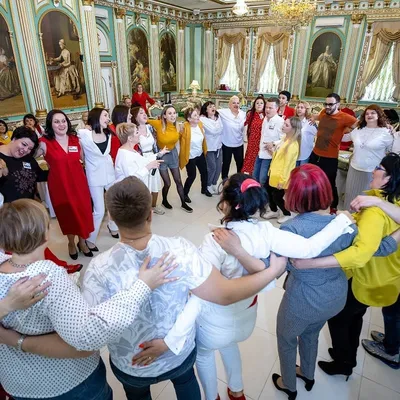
370,146
308,133
271,132
196,142
213,131
232,133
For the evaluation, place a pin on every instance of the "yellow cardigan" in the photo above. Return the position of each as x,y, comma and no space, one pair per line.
283,163
376,280
184,151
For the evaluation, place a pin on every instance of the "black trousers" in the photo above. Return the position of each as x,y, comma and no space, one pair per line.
345,329
238,155
330,167
391,317
201,164
275,198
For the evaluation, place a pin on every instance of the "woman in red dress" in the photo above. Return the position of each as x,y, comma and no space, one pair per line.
68,187
253,125
284,110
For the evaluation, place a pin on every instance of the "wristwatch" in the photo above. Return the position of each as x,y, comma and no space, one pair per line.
20,342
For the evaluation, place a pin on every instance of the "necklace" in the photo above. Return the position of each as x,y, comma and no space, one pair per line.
15,265
365,138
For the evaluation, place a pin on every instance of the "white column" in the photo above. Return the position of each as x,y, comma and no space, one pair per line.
181,58
155,56
300,58
216,45
33,56
208,56
92,54
122,54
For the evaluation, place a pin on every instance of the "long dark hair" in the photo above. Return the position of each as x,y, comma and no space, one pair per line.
242,205
391,190
119,115
253,112
23,132
49,121
203,110
94,120
4,124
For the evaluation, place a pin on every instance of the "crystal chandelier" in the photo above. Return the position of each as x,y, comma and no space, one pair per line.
293,12
240,8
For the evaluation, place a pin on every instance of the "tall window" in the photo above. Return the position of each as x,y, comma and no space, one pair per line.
231,77
382,87
269,79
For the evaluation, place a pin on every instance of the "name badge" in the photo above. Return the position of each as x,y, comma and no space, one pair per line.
72,149
26,165
271,127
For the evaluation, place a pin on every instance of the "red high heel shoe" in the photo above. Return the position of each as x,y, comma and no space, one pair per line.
242,397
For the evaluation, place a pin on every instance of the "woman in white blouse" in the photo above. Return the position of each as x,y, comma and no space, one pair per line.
192,153
148,148
308,132
130,162
213,127
25,376
95,140
371,140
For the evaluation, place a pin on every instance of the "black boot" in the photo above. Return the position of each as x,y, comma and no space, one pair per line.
291,395
206,192
166,204
336,368
186,208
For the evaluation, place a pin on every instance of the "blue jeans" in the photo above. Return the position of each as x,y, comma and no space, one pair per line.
261,168
95,387
182,377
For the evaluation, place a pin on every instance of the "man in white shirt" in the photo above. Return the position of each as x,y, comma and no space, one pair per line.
271,132
129,204
232,135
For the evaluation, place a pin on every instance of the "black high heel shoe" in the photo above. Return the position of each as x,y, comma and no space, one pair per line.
336,368
309,383
88,254
91,248
114,235
74,256
291,395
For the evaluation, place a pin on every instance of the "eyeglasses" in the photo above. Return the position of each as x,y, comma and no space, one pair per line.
379,168
329,104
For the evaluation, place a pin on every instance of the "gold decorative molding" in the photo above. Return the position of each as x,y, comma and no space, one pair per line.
157,94
99,105
181,25
155,20
41,113
356,19
182,91
120,13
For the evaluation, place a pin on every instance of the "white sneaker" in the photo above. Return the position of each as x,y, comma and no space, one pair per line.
211,189
285,218
216,189
271,214
158,210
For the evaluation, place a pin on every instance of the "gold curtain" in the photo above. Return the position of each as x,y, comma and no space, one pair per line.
224,51
380,47
279,43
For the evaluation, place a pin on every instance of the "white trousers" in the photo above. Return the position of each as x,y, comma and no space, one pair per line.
44,194
221,328
97,194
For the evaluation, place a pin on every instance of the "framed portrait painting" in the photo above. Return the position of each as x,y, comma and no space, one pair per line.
11,100
138,51
323,65
63,60
168,62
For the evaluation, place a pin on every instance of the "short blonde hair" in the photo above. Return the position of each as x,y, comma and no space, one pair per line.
125,130
23,228
307,106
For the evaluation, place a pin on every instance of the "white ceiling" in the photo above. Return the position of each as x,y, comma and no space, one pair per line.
206,5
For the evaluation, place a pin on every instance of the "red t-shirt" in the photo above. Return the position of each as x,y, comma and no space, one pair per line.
331,129
288,112
141,99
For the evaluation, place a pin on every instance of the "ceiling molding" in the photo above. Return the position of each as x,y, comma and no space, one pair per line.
258,15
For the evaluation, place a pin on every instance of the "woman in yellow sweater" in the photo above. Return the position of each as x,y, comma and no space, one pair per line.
373,281
5,135
193,150
283,163
168,136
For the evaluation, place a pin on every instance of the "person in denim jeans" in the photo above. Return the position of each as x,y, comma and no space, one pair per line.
270,133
